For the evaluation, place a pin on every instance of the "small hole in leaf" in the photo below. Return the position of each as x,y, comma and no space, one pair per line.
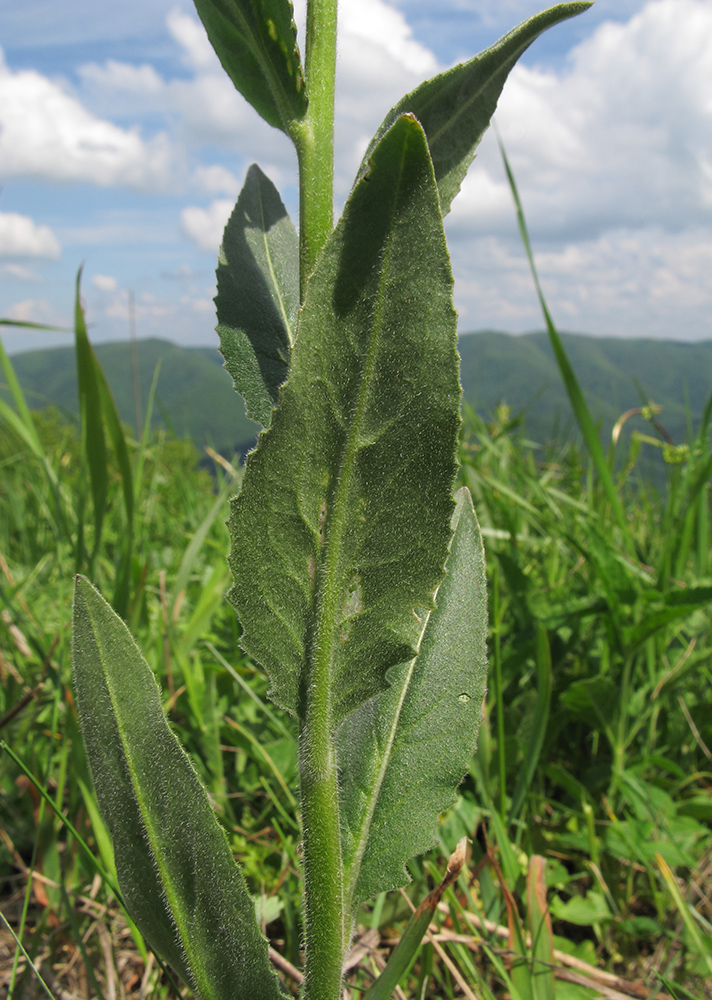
353,602
464,698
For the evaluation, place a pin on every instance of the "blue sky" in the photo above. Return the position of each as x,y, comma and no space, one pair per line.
123,146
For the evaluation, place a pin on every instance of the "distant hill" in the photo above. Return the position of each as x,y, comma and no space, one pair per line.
616,375
195,395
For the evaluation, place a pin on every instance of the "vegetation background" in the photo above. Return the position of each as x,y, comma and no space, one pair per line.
588,806
616,375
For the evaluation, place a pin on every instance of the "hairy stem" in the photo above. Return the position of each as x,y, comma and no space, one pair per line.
323,877
314,137
324,931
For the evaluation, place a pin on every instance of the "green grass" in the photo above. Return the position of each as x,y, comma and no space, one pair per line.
595,755
186,378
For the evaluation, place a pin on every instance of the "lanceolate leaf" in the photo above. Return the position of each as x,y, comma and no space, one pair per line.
256,42
258,294
178,877
342,525
455,107
403,753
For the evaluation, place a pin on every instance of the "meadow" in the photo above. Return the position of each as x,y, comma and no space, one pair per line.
587,807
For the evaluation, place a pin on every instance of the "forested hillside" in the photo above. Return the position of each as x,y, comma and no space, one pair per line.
616,375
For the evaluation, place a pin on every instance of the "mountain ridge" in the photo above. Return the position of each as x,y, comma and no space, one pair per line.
195,396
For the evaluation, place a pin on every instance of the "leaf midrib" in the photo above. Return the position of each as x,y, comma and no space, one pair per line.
335,527
361,841
172,896
501,68
272,273
435,137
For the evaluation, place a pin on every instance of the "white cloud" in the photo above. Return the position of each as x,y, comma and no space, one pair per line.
205,225
379,61
612,150
46,133
211,110
622,137
200,306
104,282
18,271
202,108
190,35
151,313
382,26
613,160
34,311
626,282
217,180
20,236
141,80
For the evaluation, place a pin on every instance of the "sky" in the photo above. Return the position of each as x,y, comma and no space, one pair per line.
123,146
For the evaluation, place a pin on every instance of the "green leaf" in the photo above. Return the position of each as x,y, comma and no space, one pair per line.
577,399
456,106
539,723
93,437
256,42
258,294
405,952
99,418
581,910
115,430
689,914
175,869
403,753
342,525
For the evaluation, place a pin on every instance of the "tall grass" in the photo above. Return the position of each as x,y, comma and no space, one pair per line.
588,803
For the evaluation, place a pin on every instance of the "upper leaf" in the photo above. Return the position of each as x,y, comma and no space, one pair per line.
342,525
256,42
455,107
258,294
175,869
402,754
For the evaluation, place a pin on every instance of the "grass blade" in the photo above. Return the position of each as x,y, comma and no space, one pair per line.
683,908
93,438
406,950
573,389
118,440
540,932
542,708
25,955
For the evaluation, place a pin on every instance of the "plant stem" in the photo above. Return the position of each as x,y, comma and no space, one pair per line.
314,137
324,932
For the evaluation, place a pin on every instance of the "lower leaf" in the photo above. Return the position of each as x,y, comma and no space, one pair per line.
180,882
403,753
